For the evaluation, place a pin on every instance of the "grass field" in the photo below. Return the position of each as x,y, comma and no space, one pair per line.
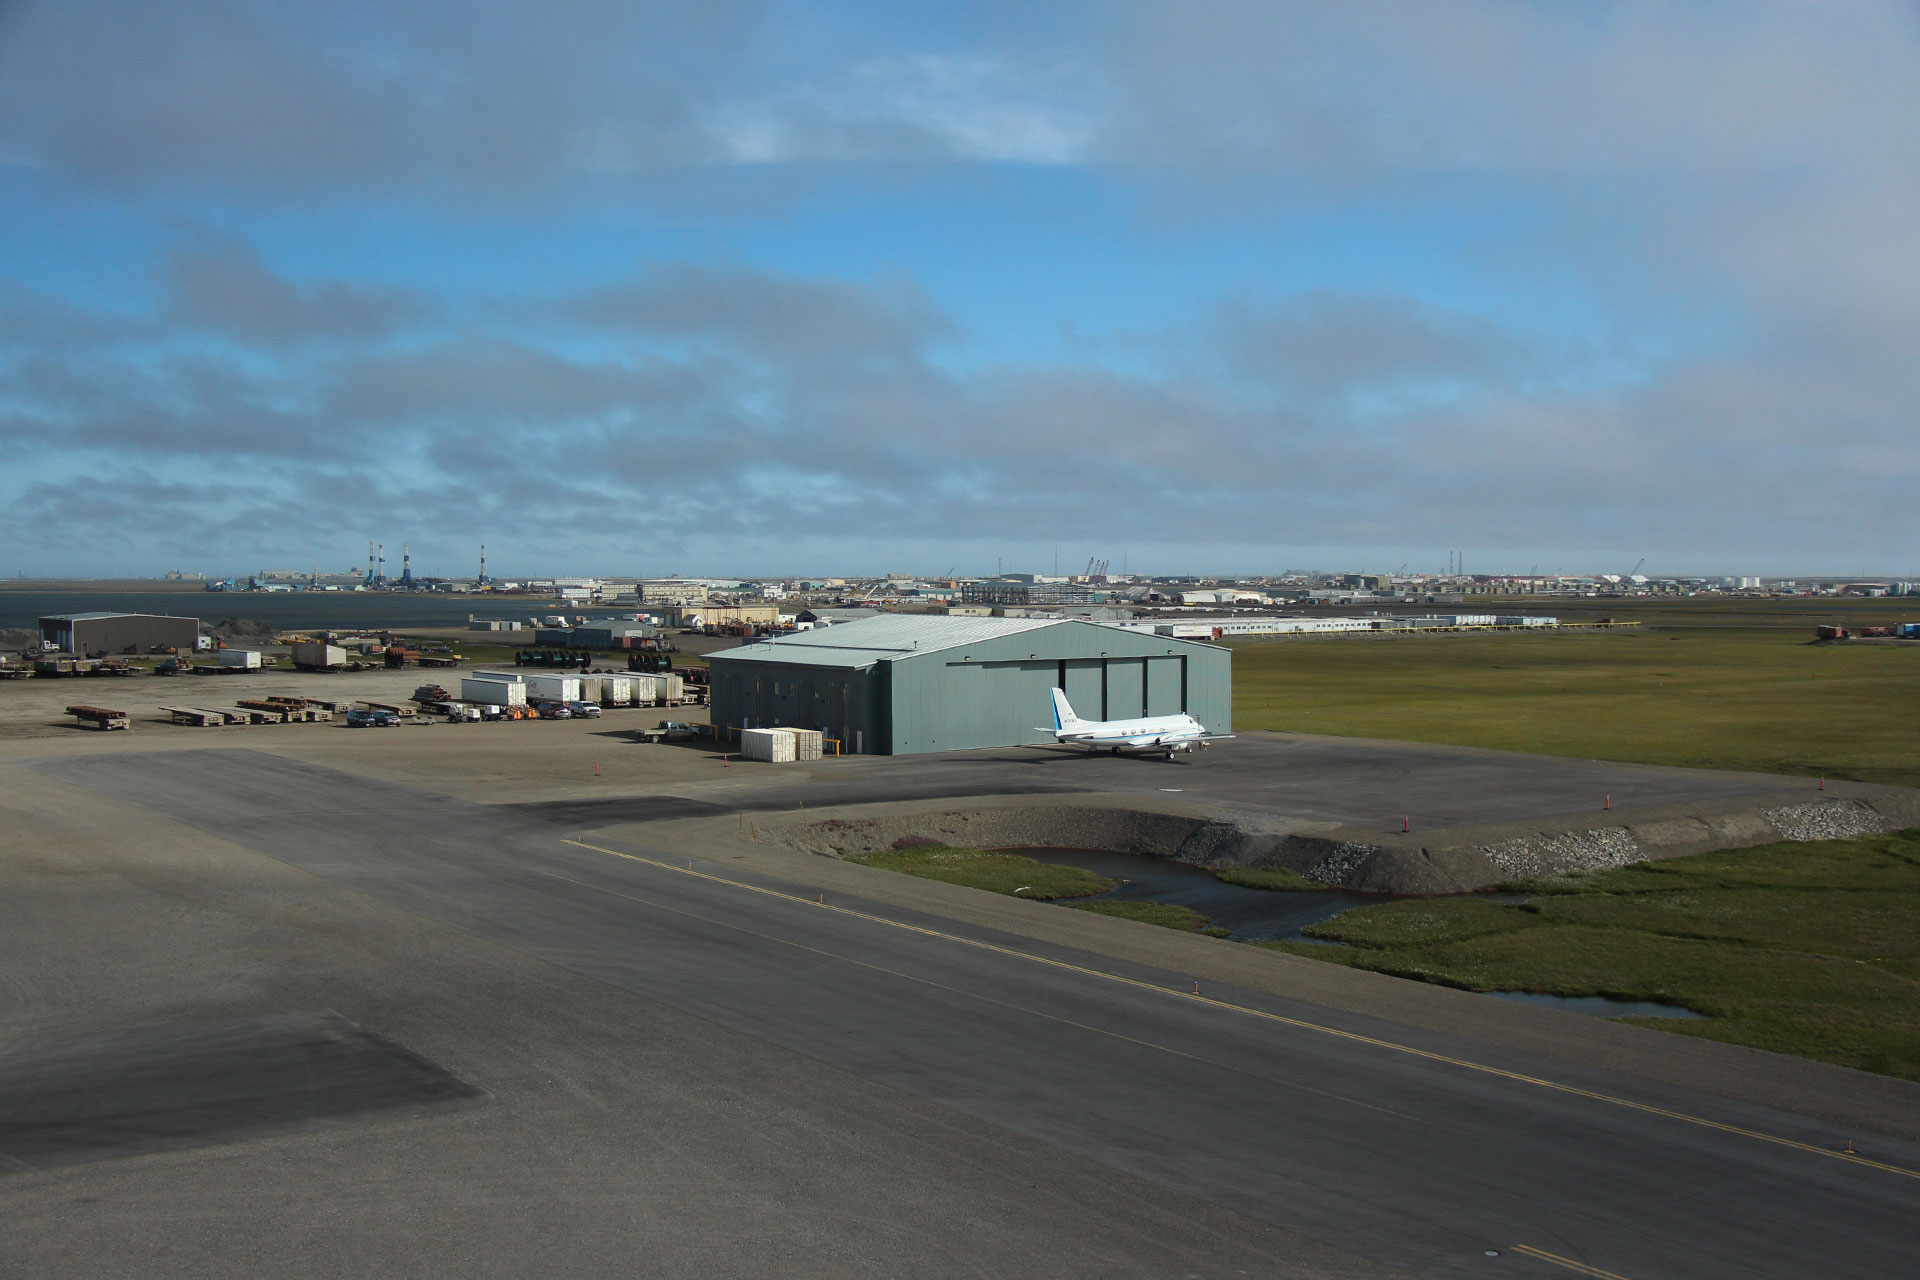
1275,878
994,872
1809,949
1703,684
1165,914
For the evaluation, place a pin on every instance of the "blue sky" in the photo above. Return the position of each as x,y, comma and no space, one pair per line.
781,288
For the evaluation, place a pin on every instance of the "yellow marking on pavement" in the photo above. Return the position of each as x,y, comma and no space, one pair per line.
1558,1261
1355,1037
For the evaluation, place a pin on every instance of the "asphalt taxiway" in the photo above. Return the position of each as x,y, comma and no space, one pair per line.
1310,1140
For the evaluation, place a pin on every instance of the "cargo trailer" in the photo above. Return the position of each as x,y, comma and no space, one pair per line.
312,656
553,688
499,693
100,717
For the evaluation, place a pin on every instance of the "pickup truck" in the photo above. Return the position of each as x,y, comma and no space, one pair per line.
669,731
372,720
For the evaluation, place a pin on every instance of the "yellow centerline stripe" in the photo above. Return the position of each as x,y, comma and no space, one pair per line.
1558,1261
1353,1036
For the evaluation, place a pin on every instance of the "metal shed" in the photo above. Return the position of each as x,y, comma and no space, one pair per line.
85,633
901,684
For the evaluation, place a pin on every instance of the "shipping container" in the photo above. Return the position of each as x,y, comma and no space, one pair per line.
247,658
776,746
808,744
499,693
310,656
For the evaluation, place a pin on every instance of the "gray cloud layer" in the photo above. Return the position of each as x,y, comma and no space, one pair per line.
1737,187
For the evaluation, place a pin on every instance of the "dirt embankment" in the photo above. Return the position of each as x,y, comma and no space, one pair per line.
1457,861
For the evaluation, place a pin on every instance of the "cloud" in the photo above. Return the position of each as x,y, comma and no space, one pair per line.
220,286
923,108
773,316
36,320
1633,86
758,399
1327,344
282,98
1494,273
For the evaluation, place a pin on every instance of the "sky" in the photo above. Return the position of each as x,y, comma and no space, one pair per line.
1230,286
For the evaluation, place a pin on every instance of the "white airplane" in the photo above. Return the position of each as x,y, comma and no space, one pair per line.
1148,733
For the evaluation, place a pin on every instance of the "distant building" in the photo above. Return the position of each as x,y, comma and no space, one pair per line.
1026,593
718,615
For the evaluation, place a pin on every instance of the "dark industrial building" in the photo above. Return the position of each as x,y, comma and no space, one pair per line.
614,635
900,684
1025,593
96,633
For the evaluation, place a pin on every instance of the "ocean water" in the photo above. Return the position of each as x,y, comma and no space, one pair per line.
286,610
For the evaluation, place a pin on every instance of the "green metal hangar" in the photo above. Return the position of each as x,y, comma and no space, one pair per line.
899,684
90,633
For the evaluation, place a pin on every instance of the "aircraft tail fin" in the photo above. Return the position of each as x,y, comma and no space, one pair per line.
1063,714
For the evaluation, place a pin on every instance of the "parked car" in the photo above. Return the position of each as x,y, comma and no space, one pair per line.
371,719
585,710
554,711
677,731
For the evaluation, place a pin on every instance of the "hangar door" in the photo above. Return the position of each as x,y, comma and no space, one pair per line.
1010,704
1123,688
1166,686
1085,686
1126,688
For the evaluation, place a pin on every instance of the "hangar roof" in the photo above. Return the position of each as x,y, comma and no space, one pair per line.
95,617
859,645
877,639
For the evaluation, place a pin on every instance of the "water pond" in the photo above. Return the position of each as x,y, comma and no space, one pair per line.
1262,915
1253,915
1599,1006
